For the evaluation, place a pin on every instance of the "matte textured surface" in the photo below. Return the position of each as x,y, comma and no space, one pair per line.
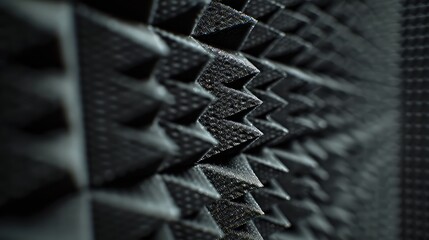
222,119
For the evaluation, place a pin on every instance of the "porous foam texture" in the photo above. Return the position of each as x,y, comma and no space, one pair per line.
221,119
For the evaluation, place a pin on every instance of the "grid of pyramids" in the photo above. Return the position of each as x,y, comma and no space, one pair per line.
415,208
199,119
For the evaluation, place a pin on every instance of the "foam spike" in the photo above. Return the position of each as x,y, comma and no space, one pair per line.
273,221
139,49
297,210
145,205
260,40
321,225
247,231
271,193
230,69
296,127
338,215
269,75
177,65
287,21
43,117
233,178
266,166
178,17
192,142
295,161
270,103
115,134
226,73
162,233
211,30
230,214
291,84
231,104
202,226
37,48
286,48
298,103
314,188
263,10
133,154
271,132
191,190
190,103
232,137
43,183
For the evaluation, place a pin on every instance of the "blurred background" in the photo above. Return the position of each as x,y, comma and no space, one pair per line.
221,119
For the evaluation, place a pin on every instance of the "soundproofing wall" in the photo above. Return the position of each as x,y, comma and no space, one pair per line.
221,119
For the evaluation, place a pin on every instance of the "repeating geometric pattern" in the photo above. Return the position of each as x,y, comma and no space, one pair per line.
414,119
222,119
